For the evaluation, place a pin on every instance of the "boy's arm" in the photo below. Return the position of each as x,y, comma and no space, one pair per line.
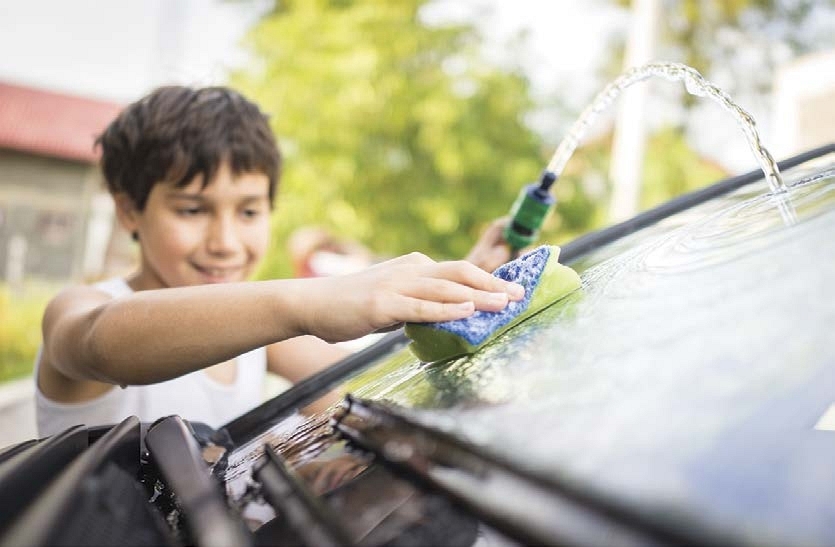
156,335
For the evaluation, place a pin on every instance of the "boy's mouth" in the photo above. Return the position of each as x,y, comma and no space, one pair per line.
218,274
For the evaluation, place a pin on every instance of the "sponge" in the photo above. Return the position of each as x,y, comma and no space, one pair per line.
545,281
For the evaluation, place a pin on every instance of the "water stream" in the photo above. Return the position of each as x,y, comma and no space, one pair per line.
696,85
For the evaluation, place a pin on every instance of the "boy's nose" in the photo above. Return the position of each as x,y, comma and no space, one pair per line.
222,237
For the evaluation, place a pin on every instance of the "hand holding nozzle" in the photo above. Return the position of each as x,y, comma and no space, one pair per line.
528,213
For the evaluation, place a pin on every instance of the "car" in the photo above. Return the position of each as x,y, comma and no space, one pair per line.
685,394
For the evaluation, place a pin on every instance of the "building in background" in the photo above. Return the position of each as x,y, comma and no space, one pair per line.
69,74
56,218
804,103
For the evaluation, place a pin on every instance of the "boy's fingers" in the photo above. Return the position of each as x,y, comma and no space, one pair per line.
418,310
421,311
443,290
439,290
470,274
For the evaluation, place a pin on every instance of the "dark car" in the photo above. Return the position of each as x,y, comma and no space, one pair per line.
685,394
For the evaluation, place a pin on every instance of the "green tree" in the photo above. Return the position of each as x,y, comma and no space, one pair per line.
395,132
21,310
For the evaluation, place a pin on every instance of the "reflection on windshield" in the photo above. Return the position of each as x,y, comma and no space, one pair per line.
687,375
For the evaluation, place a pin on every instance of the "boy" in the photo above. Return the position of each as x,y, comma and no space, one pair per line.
193,173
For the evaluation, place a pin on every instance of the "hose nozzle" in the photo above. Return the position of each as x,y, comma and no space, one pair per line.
529,211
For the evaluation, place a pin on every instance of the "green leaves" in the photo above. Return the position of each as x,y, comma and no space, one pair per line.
394,132
399,134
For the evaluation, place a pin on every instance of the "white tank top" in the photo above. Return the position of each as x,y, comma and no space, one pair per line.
195,396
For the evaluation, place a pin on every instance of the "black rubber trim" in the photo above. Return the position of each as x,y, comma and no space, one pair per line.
308,517
528,506
28,472
177,456
15,449
43,522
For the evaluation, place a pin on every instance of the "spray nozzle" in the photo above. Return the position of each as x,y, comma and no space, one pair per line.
529,212
547,180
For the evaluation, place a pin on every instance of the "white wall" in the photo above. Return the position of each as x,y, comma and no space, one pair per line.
804,104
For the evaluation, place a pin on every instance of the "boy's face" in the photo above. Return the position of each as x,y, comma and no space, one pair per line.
193,236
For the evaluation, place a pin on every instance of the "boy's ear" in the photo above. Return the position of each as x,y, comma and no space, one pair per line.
126,212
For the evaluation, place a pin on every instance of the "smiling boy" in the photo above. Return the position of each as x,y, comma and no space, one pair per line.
193,174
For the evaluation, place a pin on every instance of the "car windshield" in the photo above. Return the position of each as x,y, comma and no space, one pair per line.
692,373
690,379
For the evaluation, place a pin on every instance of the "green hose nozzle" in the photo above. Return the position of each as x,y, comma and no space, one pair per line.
529,212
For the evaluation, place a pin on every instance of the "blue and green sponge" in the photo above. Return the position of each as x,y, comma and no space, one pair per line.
545,281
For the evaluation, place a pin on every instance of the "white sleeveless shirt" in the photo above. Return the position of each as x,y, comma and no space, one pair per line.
194,396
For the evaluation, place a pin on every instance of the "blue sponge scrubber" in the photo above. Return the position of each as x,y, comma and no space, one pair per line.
545,281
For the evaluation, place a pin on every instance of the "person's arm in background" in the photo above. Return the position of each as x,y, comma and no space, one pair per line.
299,358
491,250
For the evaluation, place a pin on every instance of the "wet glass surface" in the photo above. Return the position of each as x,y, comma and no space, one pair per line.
688,376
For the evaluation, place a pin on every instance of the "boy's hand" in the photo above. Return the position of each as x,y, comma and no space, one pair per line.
410,288
491,250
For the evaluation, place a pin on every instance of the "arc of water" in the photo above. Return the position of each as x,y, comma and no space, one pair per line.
695,84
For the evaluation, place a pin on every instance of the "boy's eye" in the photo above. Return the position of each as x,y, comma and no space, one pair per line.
251,213
190,211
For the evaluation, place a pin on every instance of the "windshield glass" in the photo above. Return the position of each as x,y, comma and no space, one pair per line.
693,373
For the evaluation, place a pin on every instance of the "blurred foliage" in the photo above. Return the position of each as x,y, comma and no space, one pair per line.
398,134
394,132
672,168
20,328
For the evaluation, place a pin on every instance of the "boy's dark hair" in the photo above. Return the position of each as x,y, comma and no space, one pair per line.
178,132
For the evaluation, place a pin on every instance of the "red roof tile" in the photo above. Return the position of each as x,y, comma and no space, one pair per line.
52,124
